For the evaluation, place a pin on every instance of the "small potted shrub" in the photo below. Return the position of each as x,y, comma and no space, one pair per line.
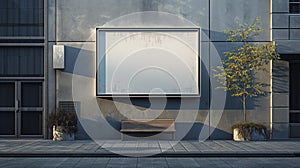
63,125
239,71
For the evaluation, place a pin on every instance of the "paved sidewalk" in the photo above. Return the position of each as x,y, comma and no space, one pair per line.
162,162
115,148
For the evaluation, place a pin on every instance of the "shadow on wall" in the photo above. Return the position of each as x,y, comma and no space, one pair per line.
192,134
87,64
280,82
234,103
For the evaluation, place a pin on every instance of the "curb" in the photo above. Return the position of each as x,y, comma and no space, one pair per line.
43,155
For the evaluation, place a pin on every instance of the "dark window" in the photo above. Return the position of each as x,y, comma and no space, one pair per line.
295,99
21,61
295,132
7,94
294,117
21,18
295,86
32,94
31,123
294,6
7,122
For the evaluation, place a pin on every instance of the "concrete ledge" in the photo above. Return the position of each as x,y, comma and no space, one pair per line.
288,46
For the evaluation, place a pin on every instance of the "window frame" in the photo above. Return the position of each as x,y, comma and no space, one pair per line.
292,3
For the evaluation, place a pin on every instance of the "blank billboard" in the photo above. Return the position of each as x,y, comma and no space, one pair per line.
148,61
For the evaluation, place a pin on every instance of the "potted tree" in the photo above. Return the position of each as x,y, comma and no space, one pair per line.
63,125
239,71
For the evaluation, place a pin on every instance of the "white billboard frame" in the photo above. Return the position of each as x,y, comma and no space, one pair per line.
101,61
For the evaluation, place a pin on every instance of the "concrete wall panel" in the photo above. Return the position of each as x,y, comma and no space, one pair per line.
280,100
280,131
294,21
280,115
280,21
77,25
280,77
295,34
281,69
280,34
280,84
280,6
225,13
196,11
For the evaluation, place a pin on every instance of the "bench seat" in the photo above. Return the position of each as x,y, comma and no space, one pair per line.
145,126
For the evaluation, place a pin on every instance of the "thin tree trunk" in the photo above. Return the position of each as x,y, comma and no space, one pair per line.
244,108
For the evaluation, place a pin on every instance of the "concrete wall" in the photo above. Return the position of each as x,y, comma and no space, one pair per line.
73,23
280,100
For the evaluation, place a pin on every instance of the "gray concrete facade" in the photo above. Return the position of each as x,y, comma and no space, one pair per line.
73,24
280,100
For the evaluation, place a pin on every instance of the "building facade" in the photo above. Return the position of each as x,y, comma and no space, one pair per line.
285,31
32,84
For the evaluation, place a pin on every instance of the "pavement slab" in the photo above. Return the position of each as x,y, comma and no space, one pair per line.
162,162
118,148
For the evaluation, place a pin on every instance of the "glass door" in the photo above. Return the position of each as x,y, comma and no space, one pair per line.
21,109
30,108
8,109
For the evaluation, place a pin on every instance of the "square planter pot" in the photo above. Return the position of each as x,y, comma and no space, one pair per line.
255,135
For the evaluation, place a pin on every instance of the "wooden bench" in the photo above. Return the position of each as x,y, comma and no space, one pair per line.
144,126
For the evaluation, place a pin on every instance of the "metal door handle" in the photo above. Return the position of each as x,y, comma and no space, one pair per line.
17,106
